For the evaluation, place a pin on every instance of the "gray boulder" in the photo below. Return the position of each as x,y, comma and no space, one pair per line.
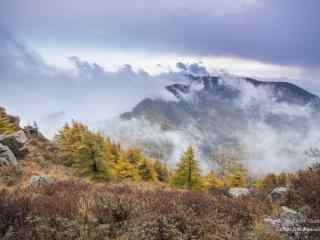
290,218
238,192
279,194
39,180
16,142
7,158
288,224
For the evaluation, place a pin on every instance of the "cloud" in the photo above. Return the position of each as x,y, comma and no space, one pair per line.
193,68
51,96
269,31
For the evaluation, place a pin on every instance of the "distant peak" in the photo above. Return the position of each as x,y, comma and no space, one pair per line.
231,86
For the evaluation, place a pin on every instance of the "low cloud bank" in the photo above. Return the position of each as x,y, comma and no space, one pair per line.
275,138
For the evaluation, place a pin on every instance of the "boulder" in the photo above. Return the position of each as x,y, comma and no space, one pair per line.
39,180
290,217
238,192
279,194
7,158
289,224
16,142
31,131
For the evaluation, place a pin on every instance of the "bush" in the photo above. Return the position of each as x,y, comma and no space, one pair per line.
72,210
306,190
10,175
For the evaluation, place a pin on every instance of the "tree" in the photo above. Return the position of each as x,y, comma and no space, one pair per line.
268,183
282,179
187,174
134,156
237,176
212,181
6,127
229,163
162,171
89,153
227,159
146,170
124,170
92,160
69,141
271,181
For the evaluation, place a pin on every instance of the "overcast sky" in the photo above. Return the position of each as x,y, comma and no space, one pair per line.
42,40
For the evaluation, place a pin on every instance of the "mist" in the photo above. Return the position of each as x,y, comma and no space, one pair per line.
52,96
268,146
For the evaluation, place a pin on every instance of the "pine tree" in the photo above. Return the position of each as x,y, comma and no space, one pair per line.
282,179
116,152
134,156
269,182
89,153
212,181
187,174
6,127
92,161
69,141
146,170
162,171
236,176
124,170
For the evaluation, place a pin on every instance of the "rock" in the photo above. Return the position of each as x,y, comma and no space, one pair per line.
289,224
290,217
272,224
39,180
279,194
31,131
238,192
305,210
16,142
7,158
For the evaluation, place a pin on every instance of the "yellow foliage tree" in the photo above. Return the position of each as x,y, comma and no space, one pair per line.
6,127
89,153
236,176
212,181
146,170
94,161
134,156
187,174
271,181
69,141
124,170
162,171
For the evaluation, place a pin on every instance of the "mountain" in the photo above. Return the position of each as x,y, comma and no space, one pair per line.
215,111
206,98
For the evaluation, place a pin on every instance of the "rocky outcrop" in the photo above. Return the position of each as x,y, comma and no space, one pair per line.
16,142
39,180
7,158
238,192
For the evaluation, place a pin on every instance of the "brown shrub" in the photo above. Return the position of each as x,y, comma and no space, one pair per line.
72,210
306,190
305,196
10,175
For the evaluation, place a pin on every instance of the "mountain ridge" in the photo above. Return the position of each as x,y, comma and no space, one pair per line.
211,112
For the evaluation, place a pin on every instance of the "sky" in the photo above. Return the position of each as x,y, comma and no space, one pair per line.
92,60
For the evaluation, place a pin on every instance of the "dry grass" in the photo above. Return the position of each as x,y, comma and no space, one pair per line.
78,210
